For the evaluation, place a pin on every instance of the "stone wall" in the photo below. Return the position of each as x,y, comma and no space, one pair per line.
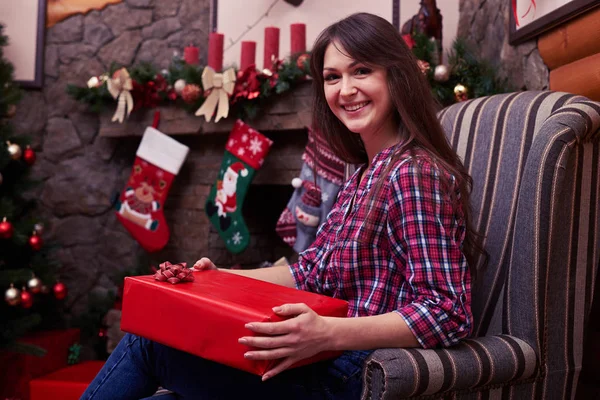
485,23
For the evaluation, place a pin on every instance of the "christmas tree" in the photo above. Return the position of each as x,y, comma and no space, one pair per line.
32,294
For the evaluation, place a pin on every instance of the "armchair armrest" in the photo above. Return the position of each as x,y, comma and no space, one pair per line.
483,361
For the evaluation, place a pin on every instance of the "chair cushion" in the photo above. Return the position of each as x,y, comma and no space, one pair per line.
492,360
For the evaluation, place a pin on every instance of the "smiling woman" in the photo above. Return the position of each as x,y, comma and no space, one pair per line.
61,9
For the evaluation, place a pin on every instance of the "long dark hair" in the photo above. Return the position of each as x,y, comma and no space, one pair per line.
372,40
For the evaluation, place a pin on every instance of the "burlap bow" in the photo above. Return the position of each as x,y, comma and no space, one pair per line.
221,87
174,273
120,86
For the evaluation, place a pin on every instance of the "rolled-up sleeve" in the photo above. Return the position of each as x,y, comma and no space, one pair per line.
426,235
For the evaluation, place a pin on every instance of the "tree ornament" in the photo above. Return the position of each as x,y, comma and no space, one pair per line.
14,150
179,86
26,299
35,241
38,228
94,82
102,332
34,284
461,93
423,66
60,290
301,61
29,156
12,111
6,229
12,295
441,73
191,93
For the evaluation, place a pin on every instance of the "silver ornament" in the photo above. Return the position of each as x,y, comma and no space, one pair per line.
12,295
38,228
441,73
34,285
179,86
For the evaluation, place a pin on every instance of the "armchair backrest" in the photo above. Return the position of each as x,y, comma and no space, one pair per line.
534,161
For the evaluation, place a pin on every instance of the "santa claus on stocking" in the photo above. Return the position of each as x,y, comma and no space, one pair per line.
225,201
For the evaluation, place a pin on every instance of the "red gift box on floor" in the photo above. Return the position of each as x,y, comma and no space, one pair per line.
65,384
18,369
207,317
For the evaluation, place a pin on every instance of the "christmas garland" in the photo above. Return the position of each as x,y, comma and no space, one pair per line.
244,92
185,85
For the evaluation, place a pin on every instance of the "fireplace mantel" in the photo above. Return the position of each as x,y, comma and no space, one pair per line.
290,111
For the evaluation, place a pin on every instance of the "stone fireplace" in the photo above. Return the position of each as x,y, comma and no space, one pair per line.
192,236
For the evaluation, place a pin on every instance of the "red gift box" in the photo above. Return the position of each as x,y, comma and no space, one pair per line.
206,317
18,369
65,384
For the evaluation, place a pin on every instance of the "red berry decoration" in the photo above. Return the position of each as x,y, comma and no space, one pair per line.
6,229
60,290
35,242
29,156
26,299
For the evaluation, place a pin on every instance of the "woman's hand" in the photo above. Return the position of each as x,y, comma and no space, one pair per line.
204,264
292,340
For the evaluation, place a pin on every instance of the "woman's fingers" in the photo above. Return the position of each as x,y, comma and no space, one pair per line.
204,264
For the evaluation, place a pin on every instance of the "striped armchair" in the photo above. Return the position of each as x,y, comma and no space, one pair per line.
534,160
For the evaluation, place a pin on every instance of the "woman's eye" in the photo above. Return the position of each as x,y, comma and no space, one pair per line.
362,71
331,77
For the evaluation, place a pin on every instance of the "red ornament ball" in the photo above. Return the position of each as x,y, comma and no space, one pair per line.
6,229
191,93
35,242
300,62
29,156
102,332
26,299
60,290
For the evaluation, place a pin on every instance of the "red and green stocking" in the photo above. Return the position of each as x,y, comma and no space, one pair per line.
245,152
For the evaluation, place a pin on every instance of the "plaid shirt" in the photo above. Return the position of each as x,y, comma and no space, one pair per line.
405,257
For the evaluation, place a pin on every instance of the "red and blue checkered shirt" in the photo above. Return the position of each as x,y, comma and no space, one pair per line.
405,256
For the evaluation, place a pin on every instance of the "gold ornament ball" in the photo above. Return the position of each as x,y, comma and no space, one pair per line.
441,73
12,295
191,93
460,92
34,284
15,151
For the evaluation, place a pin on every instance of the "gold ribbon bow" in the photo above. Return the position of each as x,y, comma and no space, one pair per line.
120,86
221,87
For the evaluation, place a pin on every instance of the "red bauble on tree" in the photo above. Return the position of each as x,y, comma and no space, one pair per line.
6,229
29,156
60,290
35,242
26,299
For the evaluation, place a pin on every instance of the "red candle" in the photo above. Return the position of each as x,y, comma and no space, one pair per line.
191,55
248,54
271,46
215,51
298,36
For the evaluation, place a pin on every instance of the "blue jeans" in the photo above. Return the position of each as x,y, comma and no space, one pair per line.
138,366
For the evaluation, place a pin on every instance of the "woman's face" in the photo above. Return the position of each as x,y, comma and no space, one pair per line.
357,94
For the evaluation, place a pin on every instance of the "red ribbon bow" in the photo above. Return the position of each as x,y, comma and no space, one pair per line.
174,273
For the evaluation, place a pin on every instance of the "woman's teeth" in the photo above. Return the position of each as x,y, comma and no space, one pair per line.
355,107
